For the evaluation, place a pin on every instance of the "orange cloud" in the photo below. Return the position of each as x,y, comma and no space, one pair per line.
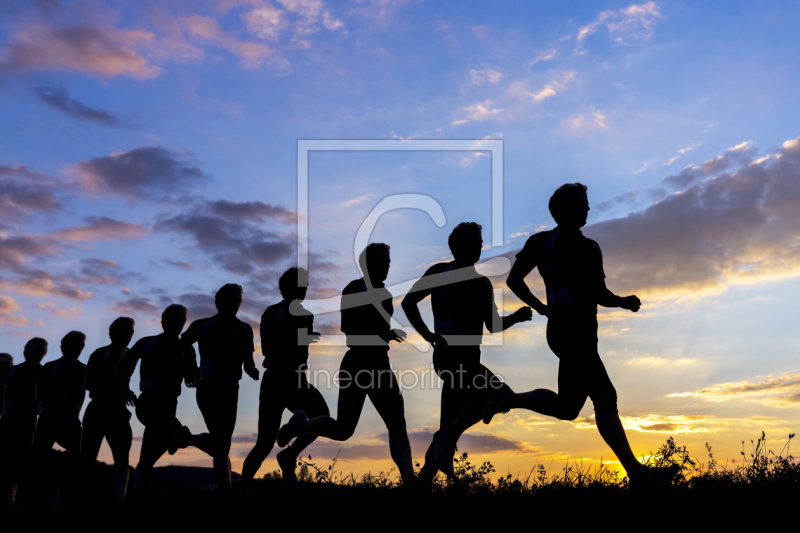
55,310
685,424
782,390
8,306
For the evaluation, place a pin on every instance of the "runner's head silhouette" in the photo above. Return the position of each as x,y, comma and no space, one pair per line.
569,205
293,284
466,242
228,299
72,345
6,360
35,349
121,331
374,262
173,319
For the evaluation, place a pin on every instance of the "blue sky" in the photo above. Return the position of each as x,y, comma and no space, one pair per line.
131,131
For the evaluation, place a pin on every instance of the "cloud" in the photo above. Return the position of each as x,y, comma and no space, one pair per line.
517,88
480,31
547,55
681,151
15,251
581,124
24,192
479,112
297,18
37,282
633,23
178,264
473,443
234,244
379,11
57,98
199,305
736,227
172,43
8,306
102,229
133,305
251,54
741,155
782,390
656,362
267,22
312,13
98,51
138,173
255,210
479,77
99,272
685,424
358,200
735,154
55,310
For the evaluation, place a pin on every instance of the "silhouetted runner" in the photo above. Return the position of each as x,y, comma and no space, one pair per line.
226,346
106,415
6,360
18,422
463,303
161,373
572,268
287,329
60,391
365,370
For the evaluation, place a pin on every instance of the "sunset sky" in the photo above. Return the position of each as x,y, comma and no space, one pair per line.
148,155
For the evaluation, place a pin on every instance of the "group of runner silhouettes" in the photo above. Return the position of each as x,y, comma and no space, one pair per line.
42,404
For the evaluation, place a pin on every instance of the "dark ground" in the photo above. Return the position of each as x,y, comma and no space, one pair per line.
269,504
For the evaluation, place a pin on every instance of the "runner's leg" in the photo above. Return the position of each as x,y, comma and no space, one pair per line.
449,410
309,400
119,438
388,401
480,384
218,405
92,434
270,409
354,381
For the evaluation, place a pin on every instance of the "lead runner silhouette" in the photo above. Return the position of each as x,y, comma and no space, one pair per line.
572,268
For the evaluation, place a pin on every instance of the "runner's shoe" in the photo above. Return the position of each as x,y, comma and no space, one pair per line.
425,478
142,484
288,462
654,477
289,430
444,453
180,440
497,404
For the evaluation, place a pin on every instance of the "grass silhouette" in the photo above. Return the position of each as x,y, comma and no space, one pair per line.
756,490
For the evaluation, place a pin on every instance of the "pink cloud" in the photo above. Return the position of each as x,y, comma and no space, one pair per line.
104,52
37,282
7,307
102,229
